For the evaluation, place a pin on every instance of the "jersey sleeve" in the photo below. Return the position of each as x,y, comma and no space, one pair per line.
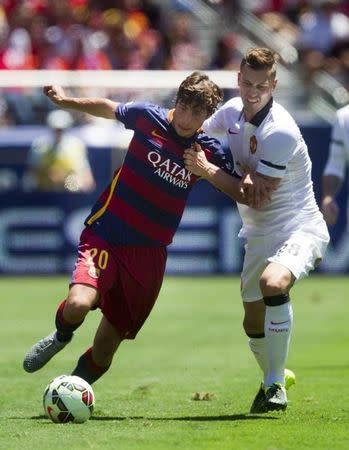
278,148
337,158
129,112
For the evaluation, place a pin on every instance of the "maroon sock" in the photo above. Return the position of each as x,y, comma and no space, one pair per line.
65,329
88,369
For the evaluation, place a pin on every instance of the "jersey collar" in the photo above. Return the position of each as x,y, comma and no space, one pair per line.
258,118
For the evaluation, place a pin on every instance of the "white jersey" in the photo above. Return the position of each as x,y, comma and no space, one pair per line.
338,158
272,145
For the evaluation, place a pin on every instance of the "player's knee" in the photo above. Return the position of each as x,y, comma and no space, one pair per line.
77,305
275,280
274,284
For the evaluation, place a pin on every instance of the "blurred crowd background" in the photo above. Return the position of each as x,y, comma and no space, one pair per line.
312,37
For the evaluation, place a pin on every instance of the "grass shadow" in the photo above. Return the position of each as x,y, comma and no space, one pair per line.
220,418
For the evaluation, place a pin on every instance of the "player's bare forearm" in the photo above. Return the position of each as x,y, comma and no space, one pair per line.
99,107
331,185
196,162
225,183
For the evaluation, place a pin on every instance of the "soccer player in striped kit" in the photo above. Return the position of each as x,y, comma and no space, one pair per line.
122,250
285,238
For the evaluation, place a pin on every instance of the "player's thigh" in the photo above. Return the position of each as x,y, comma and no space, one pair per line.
300,253
95,270
255,261
132,297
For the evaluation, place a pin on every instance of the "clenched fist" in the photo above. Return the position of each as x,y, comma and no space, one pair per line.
55,93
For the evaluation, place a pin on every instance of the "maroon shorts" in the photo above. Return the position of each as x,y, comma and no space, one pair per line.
128,280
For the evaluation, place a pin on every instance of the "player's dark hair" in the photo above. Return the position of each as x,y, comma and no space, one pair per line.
260,58
198,91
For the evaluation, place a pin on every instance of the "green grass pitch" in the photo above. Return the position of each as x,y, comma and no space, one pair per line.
192,343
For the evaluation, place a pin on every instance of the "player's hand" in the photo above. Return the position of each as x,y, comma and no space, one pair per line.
258,188
55,93
195,160
330,210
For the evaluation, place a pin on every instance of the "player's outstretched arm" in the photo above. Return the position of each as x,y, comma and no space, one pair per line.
99,107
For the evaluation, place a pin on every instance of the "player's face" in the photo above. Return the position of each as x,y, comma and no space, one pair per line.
187,120
256,89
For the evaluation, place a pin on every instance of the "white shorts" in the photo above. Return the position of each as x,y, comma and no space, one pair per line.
299,252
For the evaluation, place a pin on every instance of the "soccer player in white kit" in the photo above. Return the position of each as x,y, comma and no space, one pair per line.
337,162
285,237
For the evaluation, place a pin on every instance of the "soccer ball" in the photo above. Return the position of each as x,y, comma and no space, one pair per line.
68,398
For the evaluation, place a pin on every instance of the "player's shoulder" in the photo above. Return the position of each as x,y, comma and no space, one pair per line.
229,112
208,141
140,106
129,112
280,121
279,129
233,104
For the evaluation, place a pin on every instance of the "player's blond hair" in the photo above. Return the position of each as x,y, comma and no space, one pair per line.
260,58
198,91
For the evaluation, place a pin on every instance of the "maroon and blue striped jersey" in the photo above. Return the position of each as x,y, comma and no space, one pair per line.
144,202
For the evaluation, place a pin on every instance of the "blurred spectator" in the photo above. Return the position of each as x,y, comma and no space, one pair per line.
227,55
183,51
58,161
336,167
148,34
6,118
323,39
17,53
323,27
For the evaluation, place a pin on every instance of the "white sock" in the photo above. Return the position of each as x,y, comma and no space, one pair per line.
277,329
258,347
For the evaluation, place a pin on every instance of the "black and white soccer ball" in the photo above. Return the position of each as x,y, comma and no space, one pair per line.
68,398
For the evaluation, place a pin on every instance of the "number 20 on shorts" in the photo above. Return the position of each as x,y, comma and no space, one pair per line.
98,258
